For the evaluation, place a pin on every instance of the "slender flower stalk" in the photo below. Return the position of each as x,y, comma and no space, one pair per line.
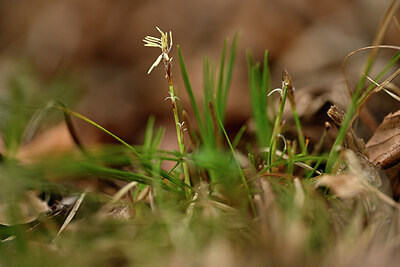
296,118
286,84
165,47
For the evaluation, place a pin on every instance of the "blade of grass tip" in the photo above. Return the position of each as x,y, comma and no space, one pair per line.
390,64
379,87
210,138
70,216
33,124
238,136
243,178
314,170
220,86
266,75
229,72
255,106
265,86
158,138
69,124
148,136
190,91
215,124
290,163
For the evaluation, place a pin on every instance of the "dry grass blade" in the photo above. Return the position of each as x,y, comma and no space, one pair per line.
390,12
389,85
348,56
117,196
123,191
299,194
377,89
152,203
396,22
70,216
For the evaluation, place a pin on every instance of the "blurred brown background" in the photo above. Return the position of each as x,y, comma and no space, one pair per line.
100,42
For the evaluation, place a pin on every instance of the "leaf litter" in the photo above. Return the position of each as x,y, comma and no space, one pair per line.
211,229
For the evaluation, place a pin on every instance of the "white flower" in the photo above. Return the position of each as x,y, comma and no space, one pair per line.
181,127
172,97
161,43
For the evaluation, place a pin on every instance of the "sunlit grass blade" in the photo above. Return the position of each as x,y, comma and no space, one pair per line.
190,92
147,165
238,136
229,72
243,178
220,86
148,135
259,84
209,139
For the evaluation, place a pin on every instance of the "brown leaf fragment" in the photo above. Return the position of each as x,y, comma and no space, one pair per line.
345,185
384,145
362,166
30,207
351,141
337,114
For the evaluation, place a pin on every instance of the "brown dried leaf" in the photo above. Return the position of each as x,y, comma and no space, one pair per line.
30,207
345,185
361,177
337,114
384,145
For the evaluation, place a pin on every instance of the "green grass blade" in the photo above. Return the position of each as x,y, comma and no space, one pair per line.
220,86
190,91
208,81
148,135
147,165
238,136
258,83
243,178
228,78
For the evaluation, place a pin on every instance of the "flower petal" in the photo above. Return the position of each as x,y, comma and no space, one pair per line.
155,63
151,38
158,29
153,45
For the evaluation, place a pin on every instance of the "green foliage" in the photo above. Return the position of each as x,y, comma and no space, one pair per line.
215,93
245,209
260,104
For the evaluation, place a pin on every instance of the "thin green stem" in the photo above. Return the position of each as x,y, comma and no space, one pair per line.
243,178
300,134
278,120
179,133
342,132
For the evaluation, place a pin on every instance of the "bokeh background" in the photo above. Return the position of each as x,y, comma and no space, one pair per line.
96,48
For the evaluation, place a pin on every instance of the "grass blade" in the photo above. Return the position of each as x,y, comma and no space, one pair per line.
190,91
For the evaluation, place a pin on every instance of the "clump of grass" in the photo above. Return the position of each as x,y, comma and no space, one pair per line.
216,206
